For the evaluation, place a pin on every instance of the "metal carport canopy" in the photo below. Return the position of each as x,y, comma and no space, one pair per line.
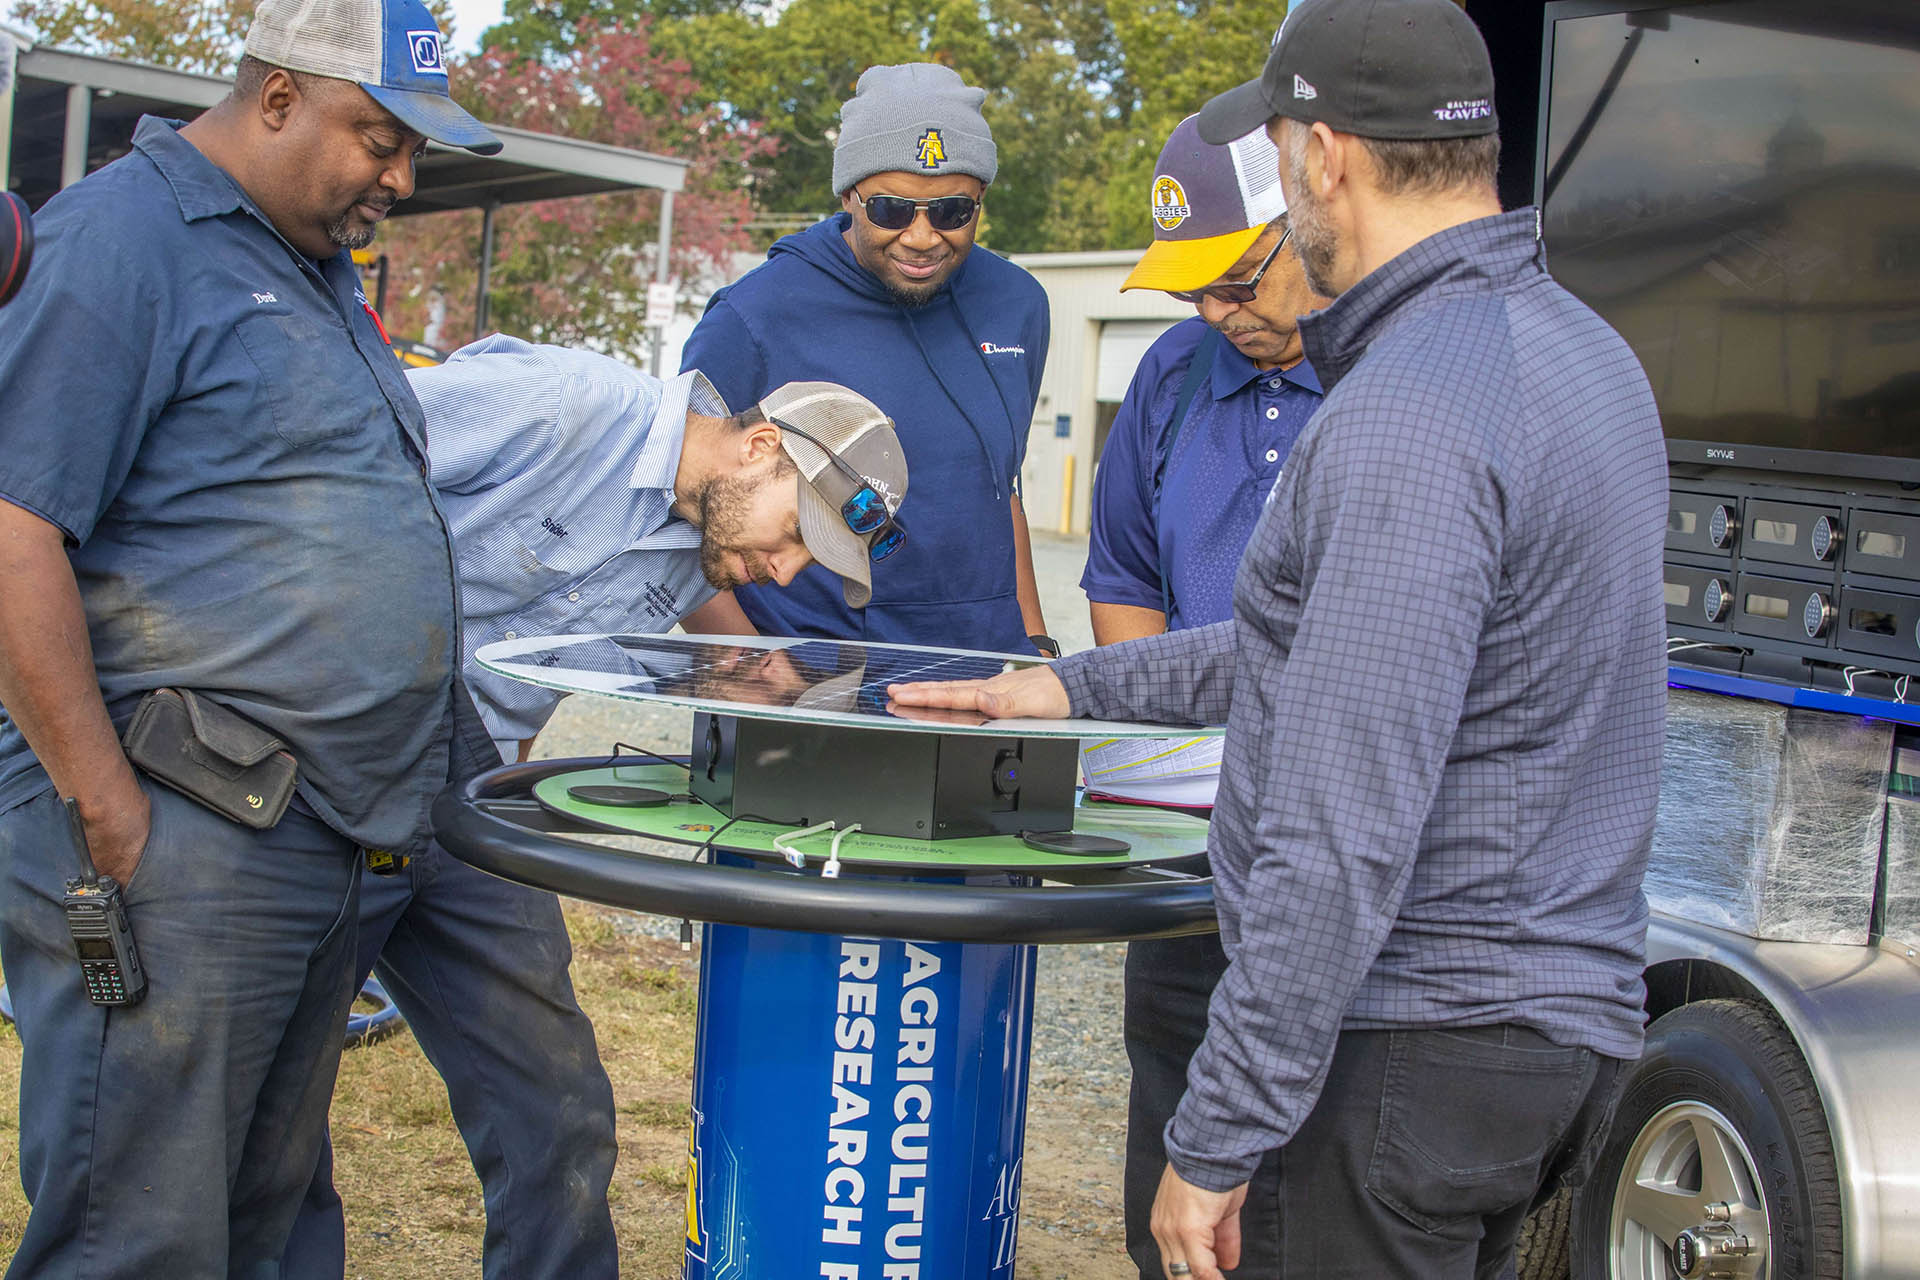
69,113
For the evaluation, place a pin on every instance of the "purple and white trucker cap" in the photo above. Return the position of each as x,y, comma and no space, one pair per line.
390,48
1209,203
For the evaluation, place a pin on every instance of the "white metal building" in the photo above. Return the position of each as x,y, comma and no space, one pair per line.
1099,335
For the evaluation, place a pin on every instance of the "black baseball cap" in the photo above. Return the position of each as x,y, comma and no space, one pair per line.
1398,69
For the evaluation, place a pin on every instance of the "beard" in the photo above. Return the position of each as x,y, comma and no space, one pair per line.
725,504
1314,242
345,234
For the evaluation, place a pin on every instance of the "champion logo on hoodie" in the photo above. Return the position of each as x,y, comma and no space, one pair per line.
995,349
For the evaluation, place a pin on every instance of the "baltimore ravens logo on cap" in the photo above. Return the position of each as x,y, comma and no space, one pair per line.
1170,207
933,152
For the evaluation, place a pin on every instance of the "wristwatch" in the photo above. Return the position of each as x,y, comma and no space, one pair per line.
1047,645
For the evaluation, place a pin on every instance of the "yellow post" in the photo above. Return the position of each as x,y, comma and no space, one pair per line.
1066,495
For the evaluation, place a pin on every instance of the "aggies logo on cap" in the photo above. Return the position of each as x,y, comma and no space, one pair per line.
428,59
1170,207
932,152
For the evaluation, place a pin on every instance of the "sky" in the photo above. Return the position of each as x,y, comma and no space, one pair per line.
471,18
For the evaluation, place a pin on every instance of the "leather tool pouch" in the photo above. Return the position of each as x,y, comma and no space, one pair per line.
209,754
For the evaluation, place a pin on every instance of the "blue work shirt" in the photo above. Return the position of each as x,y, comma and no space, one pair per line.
1444,688
213,420
1239,428
556,469
959,376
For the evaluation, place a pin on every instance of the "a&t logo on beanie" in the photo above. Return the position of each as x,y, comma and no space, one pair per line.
1170,207
933,152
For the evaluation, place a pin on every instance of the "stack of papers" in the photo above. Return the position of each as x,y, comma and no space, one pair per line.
1182,771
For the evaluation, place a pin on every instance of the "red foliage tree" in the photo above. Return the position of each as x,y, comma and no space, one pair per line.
575,271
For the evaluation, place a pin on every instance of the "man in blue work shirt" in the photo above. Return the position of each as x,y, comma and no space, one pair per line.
1444,692
1206,425
214,480
892,298
582,496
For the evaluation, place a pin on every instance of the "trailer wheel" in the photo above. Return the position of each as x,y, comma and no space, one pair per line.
1544,1246
1719,1161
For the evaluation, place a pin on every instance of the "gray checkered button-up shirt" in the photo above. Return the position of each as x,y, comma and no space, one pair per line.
1444,690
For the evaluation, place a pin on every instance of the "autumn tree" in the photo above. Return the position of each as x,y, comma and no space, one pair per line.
571,271
575,271
1081,93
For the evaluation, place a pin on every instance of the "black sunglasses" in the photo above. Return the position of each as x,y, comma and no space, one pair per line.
1234,290
896,213
866,511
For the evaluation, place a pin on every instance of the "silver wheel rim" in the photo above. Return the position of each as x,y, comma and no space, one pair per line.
1685,1158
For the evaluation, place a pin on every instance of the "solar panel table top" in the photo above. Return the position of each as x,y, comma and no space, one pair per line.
838,682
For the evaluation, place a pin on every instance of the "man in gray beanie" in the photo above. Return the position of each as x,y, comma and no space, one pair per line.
891,298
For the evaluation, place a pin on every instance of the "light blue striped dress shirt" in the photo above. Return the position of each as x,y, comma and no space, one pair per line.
555,469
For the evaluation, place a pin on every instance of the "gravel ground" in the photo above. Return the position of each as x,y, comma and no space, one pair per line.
1078,1086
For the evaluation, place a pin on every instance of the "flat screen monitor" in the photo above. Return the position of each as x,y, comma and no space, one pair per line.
1735,187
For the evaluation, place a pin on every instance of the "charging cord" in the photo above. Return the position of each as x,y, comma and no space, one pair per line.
832,870
794,857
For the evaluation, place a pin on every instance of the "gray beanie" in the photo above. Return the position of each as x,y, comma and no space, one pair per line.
919,117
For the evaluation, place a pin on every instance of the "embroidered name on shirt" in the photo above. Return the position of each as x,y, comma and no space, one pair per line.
264,297
553,527
995,349
661,601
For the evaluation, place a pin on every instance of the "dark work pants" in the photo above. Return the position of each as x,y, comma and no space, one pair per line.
1422,1158
479,968
1168,984
176,1137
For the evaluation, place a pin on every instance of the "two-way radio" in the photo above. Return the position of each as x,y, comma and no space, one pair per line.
97,919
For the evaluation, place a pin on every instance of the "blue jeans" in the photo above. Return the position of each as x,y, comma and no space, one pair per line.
479,967
175,1137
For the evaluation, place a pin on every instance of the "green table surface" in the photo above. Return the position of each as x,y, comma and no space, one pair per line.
1155,835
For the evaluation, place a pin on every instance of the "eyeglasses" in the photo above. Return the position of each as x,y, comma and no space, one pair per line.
1234,290
896,213
866,511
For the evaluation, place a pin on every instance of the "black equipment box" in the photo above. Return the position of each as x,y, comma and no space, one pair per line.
926,786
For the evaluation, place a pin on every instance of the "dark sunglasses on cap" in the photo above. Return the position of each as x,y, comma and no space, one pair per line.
896,213
866,510
1234,290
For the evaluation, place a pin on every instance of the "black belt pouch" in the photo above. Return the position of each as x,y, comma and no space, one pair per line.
212,755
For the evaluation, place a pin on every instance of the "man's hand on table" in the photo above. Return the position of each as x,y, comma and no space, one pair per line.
1032,693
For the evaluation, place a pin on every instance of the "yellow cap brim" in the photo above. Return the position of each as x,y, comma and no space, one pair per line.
1189,264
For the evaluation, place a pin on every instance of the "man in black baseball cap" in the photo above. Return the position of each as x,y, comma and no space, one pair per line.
1437,793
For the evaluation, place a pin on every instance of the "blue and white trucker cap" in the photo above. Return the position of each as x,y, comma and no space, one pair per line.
1210,202
391,48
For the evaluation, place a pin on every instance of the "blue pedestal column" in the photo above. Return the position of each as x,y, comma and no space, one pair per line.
859,1108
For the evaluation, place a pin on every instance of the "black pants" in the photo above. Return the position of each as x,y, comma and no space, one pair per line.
1422,1158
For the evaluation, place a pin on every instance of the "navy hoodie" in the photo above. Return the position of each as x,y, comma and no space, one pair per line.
958,376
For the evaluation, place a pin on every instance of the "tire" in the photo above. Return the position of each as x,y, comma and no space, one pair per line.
1544,1249
1720,1109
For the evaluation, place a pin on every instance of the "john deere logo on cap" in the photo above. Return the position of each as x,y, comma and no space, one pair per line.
1170,207
933,152
427,58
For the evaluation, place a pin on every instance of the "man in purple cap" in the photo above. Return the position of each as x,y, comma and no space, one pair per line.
229,500
1444,691
1206,426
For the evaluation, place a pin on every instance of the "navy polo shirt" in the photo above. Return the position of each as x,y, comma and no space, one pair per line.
213,420
1238,431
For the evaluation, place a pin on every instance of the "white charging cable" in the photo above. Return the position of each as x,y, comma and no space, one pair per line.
832,870
793,856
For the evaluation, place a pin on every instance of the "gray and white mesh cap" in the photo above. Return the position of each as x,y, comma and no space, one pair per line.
391,48
863,437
